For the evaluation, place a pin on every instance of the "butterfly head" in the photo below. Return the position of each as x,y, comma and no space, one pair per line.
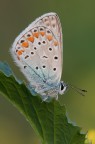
63,87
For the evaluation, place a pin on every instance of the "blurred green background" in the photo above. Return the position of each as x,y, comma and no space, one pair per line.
78,23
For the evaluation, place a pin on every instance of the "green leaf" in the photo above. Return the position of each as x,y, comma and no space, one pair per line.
47,119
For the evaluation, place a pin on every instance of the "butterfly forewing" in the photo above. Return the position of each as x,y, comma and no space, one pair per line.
38,51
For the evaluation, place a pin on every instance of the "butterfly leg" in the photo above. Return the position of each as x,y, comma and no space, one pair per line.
44,98
56,97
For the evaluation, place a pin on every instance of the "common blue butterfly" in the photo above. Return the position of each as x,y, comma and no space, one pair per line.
38,52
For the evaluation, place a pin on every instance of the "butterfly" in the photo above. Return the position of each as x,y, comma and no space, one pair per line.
38,51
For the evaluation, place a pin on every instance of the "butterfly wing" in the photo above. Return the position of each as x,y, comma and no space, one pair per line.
38,51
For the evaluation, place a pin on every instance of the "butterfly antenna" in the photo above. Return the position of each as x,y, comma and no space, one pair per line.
78,90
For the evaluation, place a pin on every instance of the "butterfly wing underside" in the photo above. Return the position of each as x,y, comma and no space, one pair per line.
38,51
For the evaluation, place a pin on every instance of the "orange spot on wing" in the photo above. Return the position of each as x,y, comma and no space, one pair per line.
49,37
25,44
42,33
55,43
36,34
31,39
19,52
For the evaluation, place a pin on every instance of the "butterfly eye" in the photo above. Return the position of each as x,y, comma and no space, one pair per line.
63,88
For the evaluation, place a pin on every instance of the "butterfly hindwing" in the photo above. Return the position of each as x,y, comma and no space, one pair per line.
38,51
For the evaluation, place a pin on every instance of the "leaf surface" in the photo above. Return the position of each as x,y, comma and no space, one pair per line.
48,119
